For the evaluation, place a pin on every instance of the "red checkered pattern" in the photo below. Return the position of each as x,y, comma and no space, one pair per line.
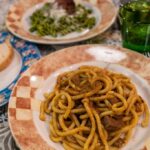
23,101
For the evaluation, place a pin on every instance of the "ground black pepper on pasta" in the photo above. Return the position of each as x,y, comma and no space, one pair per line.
93,109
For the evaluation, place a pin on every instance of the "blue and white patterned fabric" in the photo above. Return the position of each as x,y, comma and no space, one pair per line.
29,54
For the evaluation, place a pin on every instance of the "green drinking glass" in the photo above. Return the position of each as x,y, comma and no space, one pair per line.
134,16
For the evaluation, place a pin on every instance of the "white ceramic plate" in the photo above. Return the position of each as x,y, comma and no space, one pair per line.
24,55
138,137
27,95
18,21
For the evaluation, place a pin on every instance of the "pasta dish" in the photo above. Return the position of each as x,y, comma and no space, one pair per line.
92,108
61,18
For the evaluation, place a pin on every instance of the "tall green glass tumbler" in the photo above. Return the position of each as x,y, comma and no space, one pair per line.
135,25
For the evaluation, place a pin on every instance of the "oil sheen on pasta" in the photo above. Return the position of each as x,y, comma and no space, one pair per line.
93,109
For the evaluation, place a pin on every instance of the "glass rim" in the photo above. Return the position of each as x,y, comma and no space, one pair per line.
135,10
126,1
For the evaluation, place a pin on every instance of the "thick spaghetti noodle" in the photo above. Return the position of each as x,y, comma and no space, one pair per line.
93,109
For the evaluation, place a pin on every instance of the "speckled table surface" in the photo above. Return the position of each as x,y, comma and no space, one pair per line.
111,37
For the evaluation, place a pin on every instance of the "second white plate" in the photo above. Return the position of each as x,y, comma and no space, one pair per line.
17,21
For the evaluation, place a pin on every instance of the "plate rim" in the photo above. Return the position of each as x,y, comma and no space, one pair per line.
57,52
59,42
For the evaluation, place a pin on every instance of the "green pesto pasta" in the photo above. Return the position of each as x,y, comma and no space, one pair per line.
43,24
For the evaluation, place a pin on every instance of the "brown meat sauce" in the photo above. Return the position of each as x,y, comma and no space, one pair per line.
112,124
68,5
